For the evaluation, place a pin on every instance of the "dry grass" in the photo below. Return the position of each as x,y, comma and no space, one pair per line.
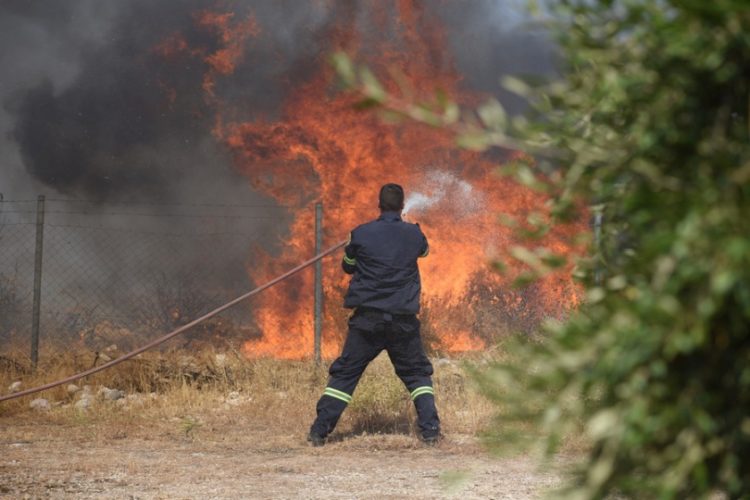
187,394
214,424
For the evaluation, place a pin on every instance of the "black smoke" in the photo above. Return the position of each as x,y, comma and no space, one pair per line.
112,132
133,123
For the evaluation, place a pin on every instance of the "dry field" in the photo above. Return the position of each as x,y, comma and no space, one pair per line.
214,425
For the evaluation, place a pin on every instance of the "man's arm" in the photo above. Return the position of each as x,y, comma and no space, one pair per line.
349,263
425,250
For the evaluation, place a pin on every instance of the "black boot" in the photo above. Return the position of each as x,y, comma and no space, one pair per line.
316,440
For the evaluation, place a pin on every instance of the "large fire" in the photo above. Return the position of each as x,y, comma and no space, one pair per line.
321,149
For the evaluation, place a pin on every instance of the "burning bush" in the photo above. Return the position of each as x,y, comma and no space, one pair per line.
318,147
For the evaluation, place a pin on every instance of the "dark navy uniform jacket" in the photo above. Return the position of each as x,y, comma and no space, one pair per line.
382,257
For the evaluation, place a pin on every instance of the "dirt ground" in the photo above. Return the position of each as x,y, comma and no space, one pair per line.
174,460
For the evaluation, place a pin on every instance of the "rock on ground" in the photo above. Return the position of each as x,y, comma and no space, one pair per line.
40,404
111,394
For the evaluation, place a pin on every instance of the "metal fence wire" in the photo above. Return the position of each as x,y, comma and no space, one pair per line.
124,274
17,237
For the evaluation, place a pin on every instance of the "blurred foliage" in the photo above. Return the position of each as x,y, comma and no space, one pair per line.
648,124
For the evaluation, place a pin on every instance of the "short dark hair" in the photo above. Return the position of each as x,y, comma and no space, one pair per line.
391,198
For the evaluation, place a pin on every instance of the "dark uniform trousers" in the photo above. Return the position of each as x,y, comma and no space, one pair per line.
371,331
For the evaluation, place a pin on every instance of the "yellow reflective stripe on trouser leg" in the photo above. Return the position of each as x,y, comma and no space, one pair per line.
349,261
335,393
425,389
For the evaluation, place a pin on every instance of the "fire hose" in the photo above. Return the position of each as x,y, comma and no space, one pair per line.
177,331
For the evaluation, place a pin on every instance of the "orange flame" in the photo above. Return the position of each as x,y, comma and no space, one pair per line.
462,341
232,38
322,149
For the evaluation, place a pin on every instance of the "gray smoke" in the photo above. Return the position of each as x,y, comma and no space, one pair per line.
491,39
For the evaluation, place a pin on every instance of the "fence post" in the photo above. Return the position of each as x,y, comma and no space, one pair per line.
37,280
318,306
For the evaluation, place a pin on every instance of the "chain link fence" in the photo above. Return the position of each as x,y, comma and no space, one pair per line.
126,273
17,236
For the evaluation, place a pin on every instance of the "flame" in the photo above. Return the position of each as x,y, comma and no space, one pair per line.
322,149
232,37
462,341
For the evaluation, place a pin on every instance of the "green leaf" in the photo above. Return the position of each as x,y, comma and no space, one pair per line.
524,279
515,85
451,114
473,140
493,115
344,67
366,103
371,87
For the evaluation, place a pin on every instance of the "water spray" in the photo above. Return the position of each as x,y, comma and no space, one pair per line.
442,186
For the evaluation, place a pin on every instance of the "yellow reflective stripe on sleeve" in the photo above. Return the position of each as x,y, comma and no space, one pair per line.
349,261
334,393
425,389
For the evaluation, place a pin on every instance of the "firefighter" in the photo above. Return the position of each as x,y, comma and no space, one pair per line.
384,292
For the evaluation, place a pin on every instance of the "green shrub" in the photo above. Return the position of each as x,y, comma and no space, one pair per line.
650,123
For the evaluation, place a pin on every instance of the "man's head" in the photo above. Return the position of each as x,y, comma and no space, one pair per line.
391,198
